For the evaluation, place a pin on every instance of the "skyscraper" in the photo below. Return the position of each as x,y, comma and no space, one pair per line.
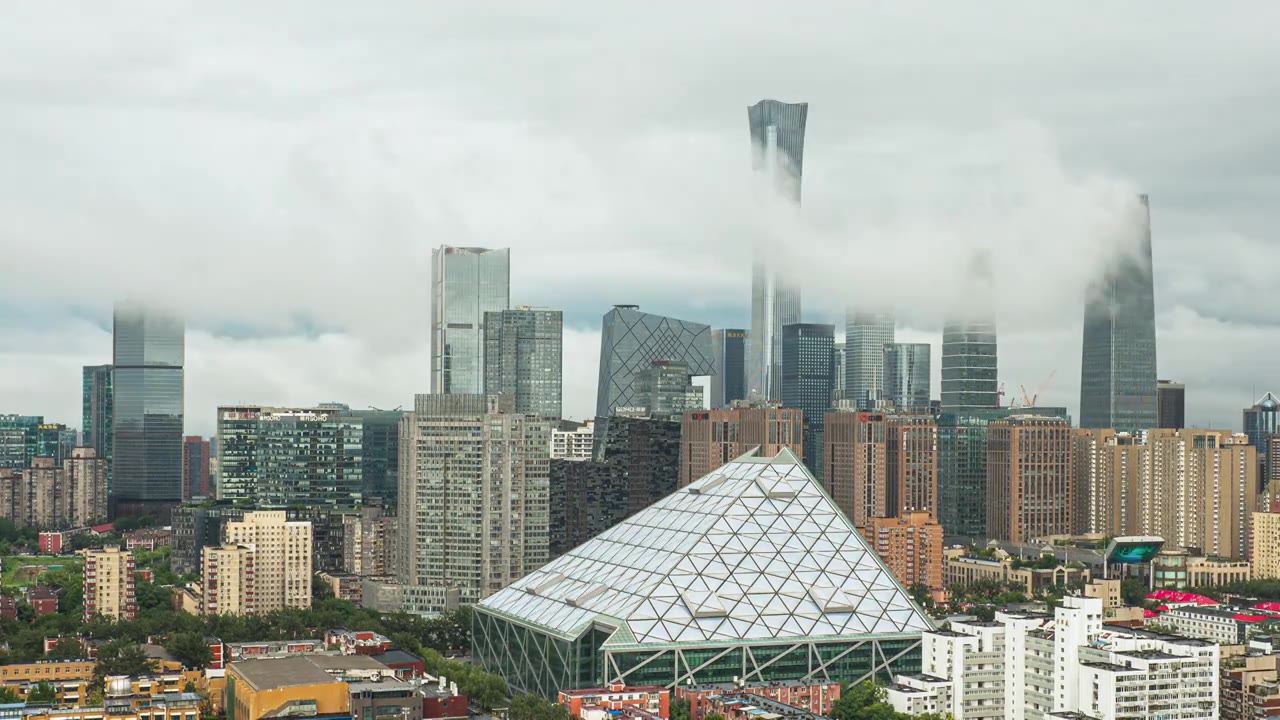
466,283
777,149
807,381
379,452
969,382
96,412
837,369
631,340
865,335
1261,423
523,358
907,369
473,498
729,346
665,390
1171,405
710,439
1118,360
147,412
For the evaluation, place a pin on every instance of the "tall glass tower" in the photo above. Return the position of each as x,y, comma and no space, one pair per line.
466,283
807,382
969,364
777,148
907,370
147,411
1118,361
631,340
523,358
865,335
96,412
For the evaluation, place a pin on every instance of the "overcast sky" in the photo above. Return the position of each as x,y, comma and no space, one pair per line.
280,171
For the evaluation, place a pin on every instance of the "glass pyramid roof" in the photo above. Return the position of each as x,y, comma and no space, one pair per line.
753,551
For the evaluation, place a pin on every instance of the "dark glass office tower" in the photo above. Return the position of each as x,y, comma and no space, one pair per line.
1261,424
777,149
865,335
969,365
807,382
147,412
522,358
95,421
907,367
1171,404
1118,359
631,340
730,349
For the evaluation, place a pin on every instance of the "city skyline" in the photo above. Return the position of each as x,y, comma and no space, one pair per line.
873,149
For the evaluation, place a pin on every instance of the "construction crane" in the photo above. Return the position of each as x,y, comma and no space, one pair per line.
999,395
1030,400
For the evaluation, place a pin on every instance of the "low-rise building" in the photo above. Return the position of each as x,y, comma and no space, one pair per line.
653,699
357,642
441,699
1248,687
817,697
284,687
407,665
344,586
43,599
1225,627
748,706
959,569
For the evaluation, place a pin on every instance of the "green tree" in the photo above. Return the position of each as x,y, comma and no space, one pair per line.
715,716
680,709
42,694
191,649
8,695
1133,592
66,649
856,700
120,657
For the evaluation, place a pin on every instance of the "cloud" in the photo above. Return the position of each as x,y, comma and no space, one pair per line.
281,174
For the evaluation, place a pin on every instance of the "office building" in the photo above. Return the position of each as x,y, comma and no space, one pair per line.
1108,466
700,574
807,382
228,581
379,452
1118,360
195,467
95,404
147,412
777,151
573,440
281,558
910,545
712,438
1031,490
109,585
281,457
26,437
196,527
665,391
631,340
729,349
1065,666
865,335
638,464
1265,559
1171,405
906,376
1261,425
969,360
523,358
837,372
466,283
473,498
1197,490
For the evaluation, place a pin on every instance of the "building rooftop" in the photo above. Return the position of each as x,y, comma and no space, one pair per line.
396,657
268,673
755,550
345,662
386,685
773,708
587,692
729,687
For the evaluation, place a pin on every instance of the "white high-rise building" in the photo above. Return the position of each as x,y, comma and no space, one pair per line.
865,335
1027,666
573,444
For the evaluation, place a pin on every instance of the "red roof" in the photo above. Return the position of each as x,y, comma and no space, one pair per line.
1249,618
1175,596
103,528
1148,614
1268,606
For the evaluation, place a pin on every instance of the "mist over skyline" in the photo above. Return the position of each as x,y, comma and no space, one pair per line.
281,174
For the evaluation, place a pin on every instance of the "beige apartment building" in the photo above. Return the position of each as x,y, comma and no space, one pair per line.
228,581
281,558
52,497
1266,542
1108,466
711,438
911,545
109,584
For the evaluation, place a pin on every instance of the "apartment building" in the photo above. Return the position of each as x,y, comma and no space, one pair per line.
281,558
109,584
